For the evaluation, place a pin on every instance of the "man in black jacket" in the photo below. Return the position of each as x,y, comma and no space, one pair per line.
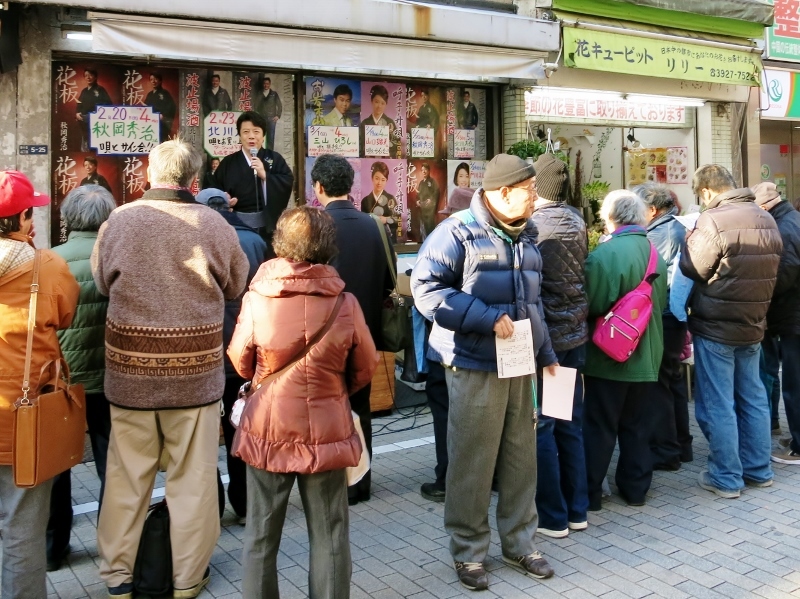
259,186
783,316
561,494
363,266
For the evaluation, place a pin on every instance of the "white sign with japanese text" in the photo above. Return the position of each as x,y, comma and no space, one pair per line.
422,142
342,141
123,130
464,143
605,110
376,140
220,137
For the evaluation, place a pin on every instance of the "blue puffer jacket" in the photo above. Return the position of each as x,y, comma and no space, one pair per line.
468,274
667,234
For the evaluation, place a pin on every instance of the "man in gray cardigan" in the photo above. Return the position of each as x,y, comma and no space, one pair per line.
167,264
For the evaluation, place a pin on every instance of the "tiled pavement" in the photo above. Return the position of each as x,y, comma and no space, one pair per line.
684,543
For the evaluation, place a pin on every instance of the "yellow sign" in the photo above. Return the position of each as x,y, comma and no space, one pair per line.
617,53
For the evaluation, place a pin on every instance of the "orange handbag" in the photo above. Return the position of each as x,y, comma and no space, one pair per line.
50,423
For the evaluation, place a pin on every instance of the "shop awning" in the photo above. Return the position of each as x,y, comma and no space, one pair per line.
283,48
739,18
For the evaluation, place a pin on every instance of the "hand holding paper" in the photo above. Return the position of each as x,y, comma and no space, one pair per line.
515,353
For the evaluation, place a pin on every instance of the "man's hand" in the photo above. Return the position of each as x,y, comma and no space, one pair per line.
552,369
79,116
504,327
275,119
257,164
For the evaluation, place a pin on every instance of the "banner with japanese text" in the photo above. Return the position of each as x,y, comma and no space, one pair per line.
633,55
783,38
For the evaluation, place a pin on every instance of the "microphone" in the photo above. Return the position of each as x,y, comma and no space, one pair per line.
254,154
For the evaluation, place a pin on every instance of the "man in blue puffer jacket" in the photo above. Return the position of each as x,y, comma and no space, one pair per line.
477,273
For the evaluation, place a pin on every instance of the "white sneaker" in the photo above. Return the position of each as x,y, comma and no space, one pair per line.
553,534
786,457
579,525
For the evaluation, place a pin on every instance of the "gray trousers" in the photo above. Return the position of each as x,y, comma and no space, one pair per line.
24,514
490,423
324,497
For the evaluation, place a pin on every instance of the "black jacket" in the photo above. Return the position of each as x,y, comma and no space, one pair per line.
236,177
564,247
783,317
361,262
732,256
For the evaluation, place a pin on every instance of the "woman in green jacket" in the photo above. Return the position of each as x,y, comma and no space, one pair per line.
83,344
616,392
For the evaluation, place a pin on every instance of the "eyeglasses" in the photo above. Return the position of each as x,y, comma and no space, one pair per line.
530,187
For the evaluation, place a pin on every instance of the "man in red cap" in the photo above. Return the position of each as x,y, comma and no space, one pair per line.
25,510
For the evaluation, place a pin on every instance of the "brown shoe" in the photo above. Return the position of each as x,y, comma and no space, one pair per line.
533,565
472,575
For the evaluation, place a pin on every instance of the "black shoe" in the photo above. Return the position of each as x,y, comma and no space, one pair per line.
355,495
668,466
55,562
433,491
687,455
123,591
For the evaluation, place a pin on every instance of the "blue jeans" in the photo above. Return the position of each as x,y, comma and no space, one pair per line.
732,409
562,492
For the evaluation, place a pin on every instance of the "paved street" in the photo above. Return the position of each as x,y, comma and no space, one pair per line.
684,543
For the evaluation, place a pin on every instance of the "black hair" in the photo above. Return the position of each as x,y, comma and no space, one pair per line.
379,167
266,79
461,167
426,165
379,90
342,90
334,173
158,76
91,159
253,117
714,177
10,224
92,71
214,75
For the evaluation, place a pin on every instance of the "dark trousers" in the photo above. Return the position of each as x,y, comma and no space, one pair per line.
788,350
59,525
561,495
670,441
439,403
359,403
770,374
237,469
617,410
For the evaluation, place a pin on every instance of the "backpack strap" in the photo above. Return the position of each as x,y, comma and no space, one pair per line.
650,274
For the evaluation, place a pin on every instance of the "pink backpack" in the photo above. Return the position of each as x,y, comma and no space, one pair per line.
618,333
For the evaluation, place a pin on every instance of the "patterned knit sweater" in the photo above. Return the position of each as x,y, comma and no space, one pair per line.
167,264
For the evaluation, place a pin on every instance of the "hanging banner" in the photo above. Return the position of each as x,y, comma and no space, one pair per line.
616,53
783,38
541,105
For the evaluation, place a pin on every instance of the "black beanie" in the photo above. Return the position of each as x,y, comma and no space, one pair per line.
506,170
552,178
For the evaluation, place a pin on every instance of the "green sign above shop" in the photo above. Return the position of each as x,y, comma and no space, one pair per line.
635,55
783,38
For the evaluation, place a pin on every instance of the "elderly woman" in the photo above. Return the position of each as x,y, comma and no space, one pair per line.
84,209
670,441
297,322
618,393
24,522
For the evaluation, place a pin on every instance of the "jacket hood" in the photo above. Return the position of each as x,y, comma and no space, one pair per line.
282,278
484,216
766,195
732,196
664,218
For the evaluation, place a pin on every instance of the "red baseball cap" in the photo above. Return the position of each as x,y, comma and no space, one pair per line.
17,194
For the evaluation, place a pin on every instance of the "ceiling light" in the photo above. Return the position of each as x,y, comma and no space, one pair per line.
77,35
667,100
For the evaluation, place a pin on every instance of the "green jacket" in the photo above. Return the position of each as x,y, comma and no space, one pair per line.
83,343
613,269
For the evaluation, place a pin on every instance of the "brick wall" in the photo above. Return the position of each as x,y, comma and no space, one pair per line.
514,124
722,135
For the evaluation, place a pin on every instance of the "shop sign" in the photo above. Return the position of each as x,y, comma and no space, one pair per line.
220,136
779,94
123,130
783,38
539,105
617,53
333,140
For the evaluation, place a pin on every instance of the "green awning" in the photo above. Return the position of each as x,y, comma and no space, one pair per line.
736,18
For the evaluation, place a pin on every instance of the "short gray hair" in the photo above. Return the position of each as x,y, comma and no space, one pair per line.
623,207
87,207
655,195
174,162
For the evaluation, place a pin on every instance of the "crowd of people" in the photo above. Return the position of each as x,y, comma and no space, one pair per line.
170,311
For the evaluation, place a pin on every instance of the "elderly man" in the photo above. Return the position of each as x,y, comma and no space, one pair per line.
477,273
561,497
732,256
164,366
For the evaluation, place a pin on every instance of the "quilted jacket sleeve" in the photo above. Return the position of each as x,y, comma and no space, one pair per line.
435,284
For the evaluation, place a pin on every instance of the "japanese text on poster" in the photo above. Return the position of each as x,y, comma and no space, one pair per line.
615,53
606,110
333,140
123,130
220,137
422,142
464,143
376,140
